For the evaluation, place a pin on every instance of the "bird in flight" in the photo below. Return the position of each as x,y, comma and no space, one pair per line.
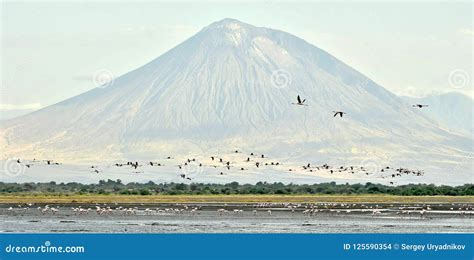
300,102
420,105
340,113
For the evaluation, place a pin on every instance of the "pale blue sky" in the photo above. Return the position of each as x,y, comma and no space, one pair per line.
51,50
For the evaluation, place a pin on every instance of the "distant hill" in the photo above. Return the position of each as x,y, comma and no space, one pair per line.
453,110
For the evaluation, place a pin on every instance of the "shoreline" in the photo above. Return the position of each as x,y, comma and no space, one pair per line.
73,199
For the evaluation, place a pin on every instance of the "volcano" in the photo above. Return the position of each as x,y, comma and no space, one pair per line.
231,86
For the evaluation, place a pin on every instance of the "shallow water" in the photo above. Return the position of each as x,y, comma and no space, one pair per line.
328,219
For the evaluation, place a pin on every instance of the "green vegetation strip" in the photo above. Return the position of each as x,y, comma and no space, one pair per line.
260,188
116,191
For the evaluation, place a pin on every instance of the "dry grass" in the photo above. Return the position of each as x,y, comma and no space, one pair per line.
231,199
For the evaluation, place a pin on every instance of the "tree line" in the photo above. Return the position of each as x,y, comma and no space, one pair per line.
150,188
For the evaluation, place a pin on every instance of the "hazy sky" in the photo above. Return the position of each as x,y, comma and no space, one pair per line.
52,50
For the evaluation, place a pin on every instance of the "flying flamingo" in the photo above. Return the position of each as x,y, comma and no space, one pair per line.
340,113
420,105
300,102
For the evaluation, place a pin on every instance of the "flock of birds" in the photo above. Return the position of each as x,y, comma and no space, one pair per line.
301,102
190,166
268,208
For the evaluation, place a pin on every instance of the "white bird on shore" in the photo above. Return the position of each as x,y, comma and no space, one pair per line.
422,213
376,212
238,211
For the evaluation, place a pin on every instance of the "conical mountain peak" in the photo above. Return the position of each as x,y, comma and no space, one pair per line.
230,24
229,32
